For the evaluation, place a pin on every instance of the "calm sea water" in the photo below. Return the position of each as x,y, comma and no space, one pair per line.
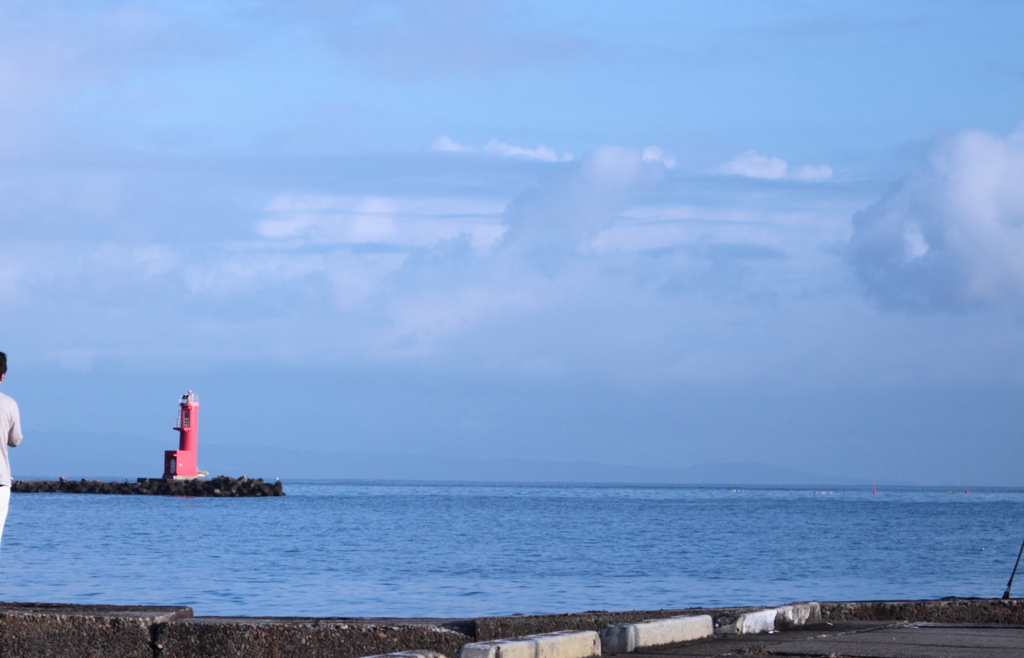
414,549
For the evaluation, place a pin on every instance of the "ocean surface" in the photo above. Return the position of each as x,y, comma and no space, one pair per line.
343,548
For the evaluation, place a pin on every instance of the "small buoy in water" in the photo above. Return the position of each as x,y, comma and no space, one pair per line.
874,489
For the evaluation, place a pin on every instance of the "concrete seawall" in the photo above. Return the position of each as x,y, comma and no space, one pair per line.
31,629
944,611
40,629
218,487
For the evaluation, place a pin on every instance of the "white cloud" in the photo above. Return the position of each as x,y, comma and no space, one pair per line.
951,235
664,235
449,145
543,153
561,217
754,165
403,222
357,276
655,154
812,172
745,232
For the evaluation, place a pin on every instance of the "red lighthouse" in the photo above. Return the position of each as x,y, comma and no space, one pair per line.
180,464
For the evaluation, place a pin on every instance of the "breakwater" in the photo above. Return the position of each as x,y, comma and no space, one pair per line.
57,630
221,486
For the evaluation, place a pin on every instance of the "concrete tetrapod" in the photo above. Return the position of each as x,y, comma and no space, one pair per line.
626,638
774,619
797,614
760,621
564,644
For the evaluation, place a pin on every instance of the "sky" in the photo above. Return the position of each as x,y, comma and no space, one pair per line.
471,239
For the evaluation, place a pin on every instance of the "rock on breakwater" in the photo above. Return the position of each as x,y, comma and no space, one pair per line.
221,486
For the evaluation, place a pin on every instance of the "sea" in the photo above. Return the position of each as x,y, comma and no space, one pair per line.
417,549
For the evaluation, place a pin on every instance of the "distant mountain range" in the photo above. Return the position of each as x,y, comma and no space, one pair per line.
76,456
405,466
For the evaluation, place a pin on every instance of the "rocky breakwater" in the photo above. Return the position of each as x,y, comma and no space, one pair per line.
218,487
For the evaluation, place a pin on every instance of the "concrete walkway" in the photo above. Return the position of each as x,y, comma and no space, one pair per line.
856,639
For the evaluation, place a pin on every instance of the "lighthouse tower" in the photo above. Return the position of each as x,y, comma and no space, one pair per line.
180,464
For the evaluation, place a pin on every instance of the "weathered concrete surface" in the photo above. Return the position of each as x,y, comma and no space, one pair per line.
626,638
283,637
28,630
860,639
564,644
795,615
410,654
758,621
56,631
492,628
944,611
221,486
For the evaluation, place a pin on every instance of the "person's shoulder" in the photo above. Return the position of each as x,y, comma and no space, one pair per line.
7,401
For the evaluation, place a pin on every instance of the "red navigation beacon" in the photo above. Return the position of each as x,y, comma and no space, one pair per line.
180,464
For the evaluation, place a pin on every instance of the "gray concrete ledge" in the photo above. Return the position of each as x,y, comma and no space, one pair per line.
627,638
492,628
281,637
951,610
28,630
864,639
563,644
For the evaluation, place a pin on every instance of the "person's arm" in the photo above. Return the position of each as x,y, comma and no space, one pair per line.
14,436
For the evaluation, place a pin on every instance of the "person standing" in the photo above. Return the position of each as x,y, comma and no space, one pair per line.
10,435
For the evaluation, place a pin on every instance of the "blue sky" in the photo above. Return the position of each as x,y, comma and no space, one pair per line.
648,234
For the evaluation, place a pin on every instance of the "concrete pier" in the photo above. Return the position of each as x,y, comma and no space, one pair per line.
953,627
28,630
863,639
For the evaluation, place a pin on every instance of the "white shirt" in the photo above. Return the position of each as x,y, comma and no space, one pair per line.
10,435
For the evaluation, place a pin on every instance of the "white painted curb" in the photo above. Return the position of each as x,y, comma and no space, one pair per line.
797,614
410,654
565,644
626,638
760,621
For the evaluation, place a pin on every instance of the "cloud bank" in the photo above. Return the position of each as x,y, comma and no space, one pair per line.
754,165
950,236
561,217
449,145
542,153
428,266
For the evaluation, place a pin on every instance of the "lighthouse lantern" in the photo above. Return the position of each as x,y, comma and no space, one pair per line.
180,464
